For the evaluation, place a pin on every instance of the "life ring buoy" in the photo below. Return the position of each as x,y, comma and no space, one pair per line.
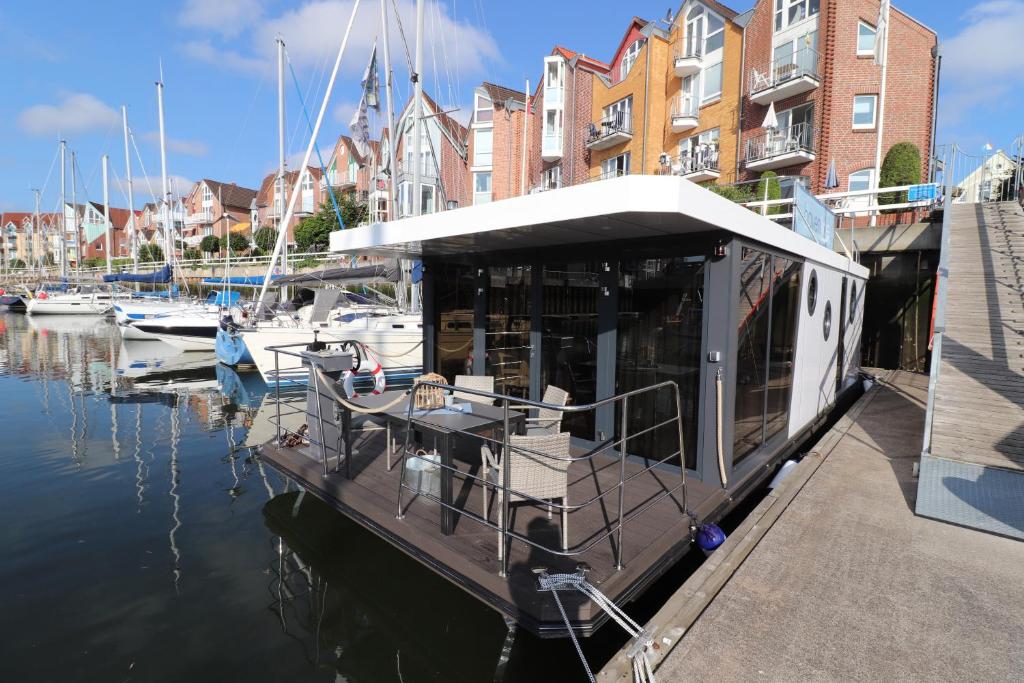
348,379
379,380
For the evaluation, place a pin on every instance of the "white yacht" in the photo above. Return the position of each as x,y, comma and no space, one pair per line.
75,301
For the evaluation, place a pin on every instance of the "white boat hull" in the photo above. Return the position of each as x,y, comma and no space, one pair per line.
392,348
68,306
195,332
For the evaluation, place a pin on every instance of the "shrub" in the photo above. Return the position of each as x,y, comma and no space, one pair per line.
209,244
191,254
17,263
902,166
770,180
265,238
735,193
238,243
151,253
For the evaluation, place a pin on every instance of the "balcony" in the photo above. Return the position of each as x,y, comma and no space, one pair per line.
688,57
785,77
685,113
551,146
781,148
699,167
203,217
611,131
428,172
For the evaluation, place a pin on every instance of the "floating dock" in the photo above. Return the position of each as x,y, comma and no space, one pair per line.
834,577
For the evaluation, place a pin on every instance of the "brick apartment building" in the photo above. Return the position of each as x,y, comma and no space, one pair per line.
23,239
95,242
814,61
271,202
496,144
443,169
562,107
212,206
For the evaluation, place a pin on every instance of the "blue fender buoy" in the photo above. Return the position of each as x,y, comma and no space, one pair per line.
710,537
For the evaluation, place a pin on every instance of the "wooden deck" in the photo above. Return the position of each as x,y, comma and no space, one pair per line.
978,416
652,542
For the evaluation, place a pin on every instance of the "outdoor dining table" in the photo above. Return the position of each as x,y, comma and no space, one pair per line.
445,424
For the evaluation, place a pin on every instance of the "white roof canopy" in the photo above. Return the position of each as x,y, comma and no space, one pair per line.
626,208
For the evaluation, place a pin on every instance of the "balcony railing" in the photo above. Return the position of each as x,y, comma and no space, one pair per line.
684,113
688,56
785,77
698,167
551,146
608,175
610,131
428,172
199,218
780,148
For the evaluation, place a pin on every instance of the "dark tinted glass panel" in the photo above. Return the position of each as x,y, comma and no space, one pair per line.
508,330
569,340
785,307
661,310
752,338
454,289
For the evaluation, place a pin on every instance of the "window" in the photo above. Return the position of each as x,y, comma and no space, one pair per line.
482,187
715,38
207,230
553,122
862,180
483,110
797,116
790,12
826,323
623,109
483,141
700,151
812,293
865,39
555,74
864,111
353,170
629,58
426,199
711,88
307,193
508,350
616,166
207,196
551,179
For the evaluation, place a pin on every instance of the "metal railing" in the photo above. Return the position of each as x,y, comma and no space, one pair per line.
688,164
407,170
773,143
617,448
685,106
690,47
620,122
199,217
803,62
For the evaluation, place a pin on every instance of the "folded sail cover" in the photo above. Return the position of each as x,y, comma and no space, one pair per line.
242,281
363,274
161,276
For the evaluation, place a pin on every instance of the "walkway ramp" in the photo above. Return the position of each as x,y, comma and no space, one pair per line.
973,472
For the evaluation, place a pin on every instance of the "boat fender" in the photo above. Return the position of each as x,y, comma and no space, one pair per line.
710,537
348,382
3,292
379,380
784,471
42,295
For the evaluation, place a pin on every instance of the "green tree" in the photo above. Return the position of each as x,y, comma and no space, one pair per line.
209,244
735,193
770,181
238,243
264,238
313,233
151,253
17,263
902,166
191,254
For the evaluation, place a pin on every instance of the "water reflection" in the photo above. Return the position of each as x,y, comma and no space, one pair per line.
145,540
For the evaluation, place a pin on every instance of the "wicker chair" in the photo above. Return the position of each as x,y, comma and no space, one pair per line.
477,382
548,420
539,468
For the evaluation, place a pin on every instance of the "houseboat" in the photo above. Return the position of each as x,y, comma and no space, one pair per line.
669,348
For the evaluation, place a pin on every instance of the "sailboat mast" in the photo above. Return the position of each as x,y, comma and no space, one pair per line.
38,236
74,211
168,239
417,114
106,212
133,235
63,236
389,91
280,193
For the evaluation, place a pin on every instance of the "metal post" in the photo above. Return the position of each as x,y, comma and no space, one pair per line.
131,195
622,479
106,211
506,474
320,422
277,394
63,235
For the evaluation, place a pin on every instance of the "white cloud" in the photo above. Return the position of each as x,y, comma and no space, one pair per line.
226,17
204,51
75,113
983,63
193,148
344,112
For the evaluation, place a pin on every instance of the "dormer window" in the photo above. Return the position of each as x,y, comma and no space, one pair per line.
629,58
790,12
483,110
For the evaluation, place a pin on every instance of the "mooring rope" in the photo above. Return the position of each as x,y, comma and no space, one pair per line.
642,639
328,383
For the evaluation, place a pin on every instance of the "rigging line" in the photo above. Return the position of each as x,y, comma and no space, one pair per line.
245,121
444,58
433,57
310,94
401,32
142,165
49,174
316,146
455,22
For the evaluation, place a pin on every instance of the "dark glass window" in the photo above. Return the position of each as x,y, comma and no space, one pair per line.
752,340
660,326
812,293
782,347
454,287
569,339
826,325
508,330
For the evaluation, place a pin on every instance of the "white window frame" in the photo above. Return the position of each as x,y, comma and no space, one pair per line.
706,97
874,112
625,105
207,196
551,179
629,58
483,159
615,166
478,110
783,7
869,172
483,196
869,52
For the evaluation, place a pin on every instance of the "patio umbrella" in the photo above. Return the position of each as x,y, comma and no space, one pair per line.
831,179
771,121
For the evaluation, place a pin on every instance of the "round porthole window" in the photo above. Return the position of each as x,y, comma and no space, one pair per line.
827,323
853,302
812,293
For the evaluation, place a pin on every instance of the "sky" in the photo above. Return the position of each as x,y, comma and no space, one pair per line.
70,77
